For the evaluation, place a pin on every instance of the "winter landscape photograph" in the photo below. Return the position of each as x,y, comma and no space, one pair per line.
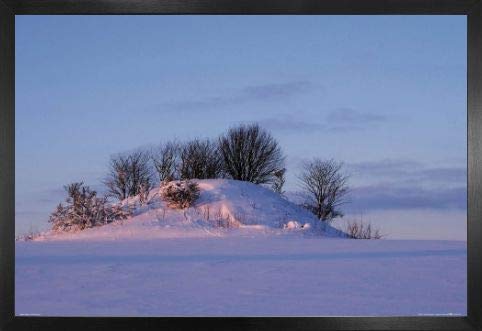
240,166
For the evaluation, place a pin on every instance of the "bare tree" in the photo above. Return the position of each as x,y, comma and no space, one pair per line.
199,159
143,195
250,153
166,159
128,173
325,186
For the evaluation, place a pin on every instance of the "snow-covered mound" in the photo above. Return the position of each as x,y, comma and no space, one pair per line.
224,207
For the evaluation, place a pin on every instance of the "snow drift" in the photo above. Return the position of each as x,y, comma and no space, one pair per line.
224,207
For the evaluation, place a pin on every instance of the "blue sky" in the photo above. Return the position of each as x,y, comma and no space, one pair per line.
384,94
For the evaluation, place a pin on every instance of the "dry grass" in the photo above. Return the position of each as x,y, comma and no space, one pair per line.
361,230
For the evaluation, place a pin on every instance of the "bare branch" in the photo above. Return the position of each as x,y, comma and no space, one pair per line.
129,174
326,187
251,154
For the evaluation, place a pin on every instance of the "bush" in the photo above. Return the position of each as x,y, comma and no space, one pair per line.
249,153
31,234
279,180
359,230
83,209
180,194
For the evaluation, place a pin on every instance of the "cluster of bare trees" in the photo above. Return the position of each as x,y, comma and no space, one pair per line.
194,159
200,159
247,153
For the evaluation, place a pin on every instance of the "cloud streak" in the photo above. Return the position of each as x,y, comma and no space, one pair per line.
386,197
409,172
350,116
402,184
340,120
248,94
291,124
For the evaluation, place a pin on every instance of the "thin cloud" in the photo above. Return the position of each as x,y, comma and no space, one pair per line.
340,120
453,175
409,172
408,184
291,124
254,93
347,119
385,168
280,90
385,197
345,116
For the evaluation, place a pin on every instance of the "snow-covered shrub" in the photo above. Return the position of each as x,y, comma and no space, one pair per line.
250,153
83,209
360,230
180,194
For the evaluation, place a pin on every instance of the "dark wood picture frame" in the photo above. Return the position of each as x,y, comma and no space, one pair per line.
471,8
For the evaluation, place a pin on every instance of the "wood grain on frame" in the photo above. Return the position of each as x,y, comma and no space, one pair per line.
472,8
310,7
7,163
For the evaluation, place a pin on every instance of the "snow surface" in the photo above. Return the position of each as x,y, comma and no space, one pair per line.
274,259
258,275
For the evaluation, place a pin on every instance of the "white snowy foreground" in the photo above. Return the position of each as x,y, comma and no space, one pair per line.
268,258
241,276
